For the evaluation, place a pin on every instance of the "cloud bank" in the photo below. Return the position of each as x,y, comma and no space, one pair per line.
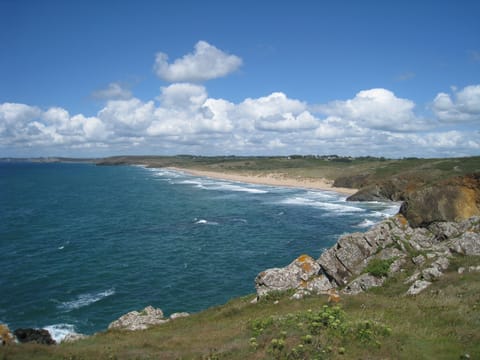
183,118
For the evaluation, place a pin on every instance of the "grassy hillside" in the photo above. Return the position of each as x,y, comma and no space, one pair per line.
441,323
352,172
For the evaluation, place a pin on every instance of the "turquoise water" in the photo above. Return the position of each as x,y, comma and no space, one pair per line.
83,244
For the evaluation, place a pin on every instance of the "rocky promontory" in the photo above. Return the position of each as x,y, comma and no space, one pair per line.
455,199
360,261
424,202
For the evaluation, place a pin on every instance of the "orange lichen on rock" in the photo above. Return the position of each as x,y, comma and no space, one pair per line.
305,262
402,220
304,258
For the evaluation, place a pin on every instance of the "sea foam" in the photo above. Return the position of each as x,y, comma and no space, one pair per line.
205,222
330,206
85,300
58,332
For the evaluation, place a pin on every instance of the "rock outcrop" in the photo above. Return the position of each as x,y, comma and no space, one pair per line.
425,199
360,261
303,276
389,190
39,336
141,320
394,244
455,199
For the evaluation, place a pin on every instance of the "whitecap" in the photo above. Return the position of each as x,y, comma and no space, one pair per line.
190,182
323,195
388,211
166,173
224,186
205,222
244,221
58,332
231,187
366,223
85,300
332,207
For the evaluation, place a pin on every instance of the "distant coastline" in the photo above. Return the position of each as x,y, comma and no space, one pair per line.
273,179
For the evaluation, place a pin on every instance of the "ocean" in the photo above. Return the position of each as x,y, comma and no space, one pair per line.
81,245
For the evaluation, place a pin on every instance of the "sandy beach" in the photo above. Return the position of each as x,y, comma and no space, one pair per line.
274,179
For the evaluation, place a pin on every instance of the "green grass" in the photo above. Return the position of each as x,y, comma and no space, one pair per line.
378,267
357,173
440,323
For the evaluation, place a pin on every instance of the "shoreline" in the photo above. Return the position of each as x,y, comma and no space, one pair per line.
270,179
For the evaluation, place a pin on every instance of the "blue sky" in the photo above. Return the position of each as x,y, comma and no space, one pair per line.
96,78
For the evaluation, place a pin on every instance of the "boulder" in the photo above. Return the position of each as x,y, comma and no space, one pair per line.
302,274
39,336
363,283
418,286
466,244
431,273
139,320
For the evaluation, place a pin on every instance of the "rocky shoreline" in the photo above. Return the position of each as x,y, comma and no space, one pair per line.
360,261
356,263
435,223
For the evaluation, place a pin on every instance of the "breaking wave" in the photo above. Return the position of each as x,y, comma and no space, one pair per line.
59,332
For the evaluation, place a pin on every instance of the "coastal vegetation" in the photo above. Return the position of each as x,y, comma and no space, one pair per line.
355,172
439,323
387,321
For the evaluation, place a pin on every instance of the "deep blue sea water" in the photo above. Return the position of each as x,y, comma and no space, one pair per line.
80,244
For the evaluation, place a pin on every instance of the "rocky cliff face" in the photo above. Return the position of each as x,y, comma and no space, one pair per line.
362,260
452,200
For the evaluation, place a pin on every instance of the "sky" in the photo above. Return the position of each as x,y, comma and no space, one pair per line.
354,78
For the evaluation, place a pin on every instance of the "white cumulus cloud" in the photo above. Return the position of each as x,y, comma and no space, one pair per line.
205,63
27,126
464,107
183,96
128,117
377,109
184,119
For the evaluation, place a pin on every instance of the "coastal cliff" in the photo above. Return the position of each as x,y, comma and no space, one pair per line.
438,228
436,221
454,199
